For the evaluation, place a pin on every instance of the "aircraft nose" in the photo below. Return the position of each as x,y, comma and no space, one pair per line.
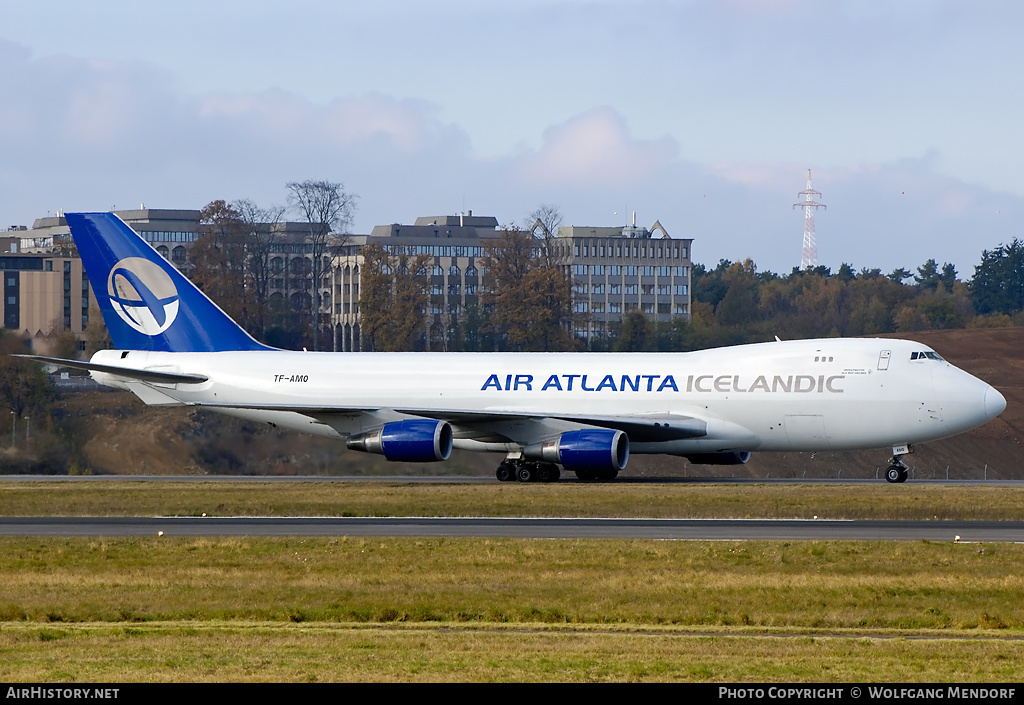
994,403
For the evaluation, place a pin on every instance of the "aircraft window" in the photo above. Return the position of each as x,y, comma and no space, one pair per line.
932,356
913,355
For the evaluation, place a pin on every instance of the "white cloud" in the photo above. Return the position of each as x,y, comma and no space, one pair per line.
593,149
81,134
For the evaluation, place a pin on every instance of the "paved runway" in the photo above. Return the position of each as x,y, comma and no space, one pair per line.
678,529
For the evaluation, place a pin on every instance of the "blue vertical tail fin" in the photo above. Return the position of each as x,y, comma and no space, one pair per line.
147,304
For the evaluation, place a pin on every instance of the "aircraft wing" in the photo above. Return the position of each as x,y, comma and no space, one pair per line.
640,428
499,426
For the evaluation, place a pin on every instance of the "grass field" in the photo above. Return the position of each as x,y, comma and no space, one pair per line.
294,609
671,500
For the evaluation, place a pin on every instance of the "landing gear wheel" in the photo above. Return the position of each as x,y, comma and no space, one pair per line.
526,472
547,472
897,470
506,472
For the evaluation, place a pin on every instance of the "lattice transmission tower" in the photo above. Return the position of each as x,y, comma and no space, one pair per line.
809,255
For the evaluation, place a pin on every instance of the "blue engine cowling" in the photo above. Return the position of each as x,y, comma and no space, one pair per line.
734,458
411,440
597,449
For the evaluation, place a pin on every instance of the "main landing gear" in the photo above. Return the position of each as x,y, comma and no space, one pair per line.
516,468
527,471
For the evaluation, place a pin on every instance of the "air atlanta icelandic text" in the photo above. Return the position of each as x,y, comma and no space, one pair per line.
740,384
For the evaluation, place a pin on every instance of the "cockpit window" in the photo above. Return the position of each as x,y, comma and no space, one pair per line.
925,355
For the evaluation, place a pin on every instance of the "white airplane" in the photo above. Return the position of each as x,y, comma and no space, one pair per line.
584,412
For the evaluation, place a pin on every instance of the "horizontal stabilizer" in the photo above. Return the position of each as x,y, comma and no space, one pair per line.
126,372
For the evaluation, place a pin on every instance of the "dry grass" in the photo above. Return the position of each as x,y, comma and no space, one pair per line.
436,609
683,500
803,585
221,652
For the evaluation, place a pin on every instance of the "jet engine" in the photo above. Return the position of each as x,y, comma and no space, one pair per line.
734,458
591,449
411,440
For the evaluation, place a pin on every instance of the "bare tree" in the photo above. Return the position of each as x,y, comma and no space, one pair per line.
260,229
328,209
543,223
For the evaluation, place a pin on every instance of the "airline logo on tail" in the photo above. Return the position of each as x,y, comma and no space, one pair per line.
143,295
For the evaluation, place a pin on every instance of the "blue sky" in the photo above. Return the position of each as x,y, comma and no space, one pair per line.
703,115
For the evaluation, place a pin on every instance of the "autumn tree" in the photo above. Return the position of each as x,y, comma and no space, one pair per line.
219,260
529,301
328,209
393,298
24,387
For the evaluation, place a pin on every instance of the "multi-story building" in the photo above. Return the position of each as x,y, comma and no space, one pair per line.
615,269
171,232
44,295
456,244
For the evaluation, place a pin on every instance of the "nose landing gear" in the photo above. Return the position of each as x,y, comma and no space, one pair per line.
897,470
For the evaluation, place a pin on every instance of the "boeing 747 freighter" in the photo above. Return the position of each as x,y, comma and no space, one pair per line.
581,412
